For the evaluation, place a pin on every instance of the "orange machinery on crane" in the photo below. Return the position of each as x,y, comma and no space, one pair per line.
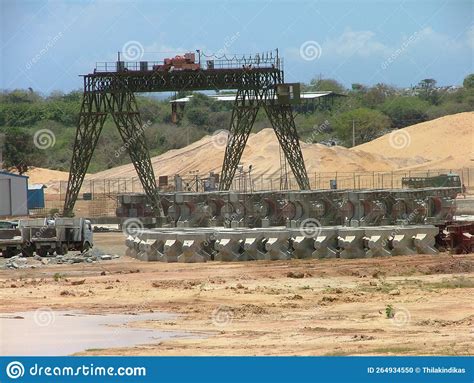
178,63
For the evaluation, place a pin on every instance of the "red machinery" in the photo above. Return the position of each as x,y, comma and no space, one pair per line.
460,237
186,62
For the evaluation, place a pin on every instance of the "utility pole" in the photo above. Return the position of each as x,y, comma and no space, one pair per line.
353,134
2,143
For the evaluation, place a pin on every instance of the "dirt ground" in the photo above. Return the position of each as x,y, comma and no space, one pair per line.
297,307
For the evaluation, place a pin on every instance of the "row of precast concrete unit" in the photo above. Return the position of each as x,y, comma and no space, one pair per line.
222,244
269,209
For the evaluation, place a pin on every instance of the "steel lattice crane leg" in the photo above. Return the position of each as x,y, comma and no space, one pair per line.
245,111
91,121
282,120
124,110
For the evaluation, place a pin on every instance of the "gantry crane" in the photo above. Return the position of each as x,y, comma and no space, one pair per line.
110,89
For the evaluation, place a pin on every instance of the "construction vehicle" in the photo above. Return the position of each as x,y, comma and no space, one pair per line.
47,236
460,238
11,241
8,224
178,63
441,180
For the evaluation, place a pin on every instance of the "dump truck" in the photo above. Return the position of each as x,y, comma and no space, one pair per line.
11,241
47,236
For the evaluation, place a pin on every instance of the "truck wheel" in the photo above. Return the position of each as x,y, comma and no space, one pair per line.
42,252
8,253
86,246
62,250
27,251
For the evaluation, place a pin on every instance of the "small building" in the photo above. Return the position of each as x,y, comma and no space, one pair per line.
36,196
13,194
307,101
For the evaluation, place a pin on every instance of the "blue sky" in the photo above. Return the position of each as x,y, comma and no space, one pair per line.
47,44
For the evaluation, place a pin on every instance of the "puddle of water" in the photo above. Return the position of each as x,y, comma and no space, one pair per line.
66,332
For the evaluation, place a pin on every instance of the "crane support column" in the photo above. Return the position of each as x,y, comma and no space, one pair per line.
245,111
283,122
124,110
91,121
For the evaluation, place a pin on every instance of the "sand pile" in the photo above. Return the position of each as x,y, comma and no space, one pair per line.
45,176
262,152
444,143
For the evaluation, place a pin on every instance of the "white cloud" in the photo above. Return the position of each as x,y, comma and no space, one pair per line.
358,43
430,38
364,44
162,48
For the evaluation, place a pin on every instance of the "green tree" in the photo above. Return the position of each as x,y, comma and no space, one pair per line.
405,111
20,95
197,116
200,100
356,87
207,113
74,96
377,95
328,84
427,91
368,125
468,82
19,151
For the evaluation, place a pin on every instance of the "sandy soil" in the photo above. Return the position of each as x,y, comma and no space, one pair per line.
333,307
444,143
262,152
45,176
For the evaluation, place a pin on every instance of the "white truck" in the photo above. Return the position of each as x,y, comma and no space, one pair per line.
11,241
46,236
